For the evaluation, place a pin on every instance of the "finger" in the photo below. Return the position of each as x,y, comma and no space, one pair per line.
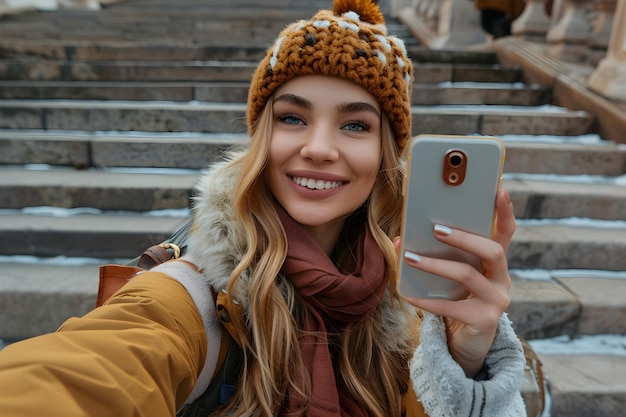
397,243
505,220
464,274
491,253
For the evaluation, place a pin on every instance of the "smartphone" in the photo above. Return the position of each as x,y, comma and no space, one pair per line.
453,181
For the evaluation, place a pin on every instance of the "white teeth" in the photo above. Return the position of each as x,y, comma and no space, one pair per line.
316,184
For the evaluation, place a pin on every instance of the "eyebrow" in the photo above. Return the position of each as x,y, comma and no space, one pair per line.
357,107
295,100
351,107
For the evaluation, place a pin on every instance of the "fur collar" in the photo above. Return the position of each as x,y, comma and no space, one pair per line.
216,239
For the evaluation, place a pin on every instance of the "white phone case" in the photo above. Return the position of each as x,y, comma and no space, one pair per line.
435,194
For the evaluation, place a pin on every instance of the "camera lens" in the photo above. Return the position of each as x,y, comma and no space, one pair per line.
456,159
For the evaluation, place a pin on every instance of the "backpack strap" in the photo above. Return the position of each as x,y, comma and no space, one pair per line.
533,388
113,277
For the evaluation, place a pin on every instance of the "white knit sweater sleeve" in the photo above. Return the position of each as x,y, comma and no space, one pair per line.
202,297
444,390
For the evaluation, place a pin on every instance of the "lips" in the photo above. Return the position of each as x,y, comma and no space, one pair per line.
314,184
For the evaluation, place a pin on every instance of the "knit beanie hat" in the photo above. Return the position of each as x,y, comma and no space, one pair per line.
350,42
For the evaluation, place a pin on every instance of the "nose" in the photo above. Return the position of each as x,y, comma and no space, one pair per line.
320,145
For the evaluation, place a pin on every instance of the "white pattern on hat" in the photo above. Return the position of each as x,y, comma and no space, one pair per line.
274,57
347,25
399,43
321,24
407,79
384,41
352,16
381,56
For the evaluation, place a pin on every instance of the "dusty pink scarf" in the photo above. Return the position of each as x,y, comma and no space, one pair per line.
329,295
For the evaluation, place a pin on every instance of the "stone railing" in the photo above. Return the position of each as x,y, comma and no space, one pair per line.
441,23
609,78
589,32
576,31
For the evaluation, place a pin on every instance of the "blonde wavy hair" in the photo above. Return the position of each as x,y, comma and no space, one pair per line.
373,362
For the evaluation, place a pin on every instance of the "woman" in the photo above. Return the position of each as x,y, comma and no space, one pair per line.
296,237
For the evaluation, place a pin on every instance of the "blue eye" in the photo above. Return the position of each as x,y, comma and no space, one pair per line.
360,126
290,119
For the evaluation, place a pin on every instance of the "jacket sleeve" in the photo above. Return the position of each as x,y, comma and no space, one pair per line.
140,354
442,387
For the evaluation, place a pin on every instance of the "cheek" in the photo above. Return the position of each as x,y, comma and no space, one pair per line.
279,154
366,161
278,151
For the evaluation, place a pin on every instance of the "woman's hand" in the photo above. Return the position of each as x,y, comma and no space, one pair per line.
471,323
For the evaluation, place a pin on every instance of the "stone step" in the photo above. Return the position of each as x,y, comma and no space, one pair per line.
104,44
147,14
603,306
160,38
122,116
567,156
35,298
223,25
63,188
125,234
166,189
540,198
214,24
568,244
547,303
212,69
237,92
124,149
564,157
539,308
542,308
101,235
586,385
230,117
165,50
222,28
227,32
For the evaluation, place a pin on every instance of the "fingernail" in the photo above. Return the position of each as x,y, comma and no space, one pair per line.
442,230
412,256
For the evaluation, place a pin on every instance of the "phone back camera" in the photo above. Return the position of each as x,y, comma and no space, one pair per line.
454,167
456,159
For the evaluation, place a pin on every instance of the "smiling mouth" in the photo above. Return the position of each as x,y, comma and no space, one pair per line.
316,184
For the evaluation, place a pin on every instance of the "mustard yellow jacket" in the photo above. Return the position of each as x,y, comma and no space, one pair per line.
138,355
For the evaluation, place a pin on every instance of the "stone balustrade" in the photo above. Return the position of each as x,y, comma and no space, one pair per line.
440,23
609,78
587,32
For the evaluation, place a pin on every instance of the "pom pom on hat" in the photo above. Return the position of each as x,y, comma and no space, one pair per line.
366,9
350,42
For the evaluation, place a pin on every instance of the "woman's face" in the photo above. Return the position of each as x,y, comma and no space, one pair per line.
325,151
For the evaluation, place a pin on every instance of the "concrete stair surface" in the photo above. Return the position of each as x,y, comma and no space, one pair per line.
237,91
108,117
